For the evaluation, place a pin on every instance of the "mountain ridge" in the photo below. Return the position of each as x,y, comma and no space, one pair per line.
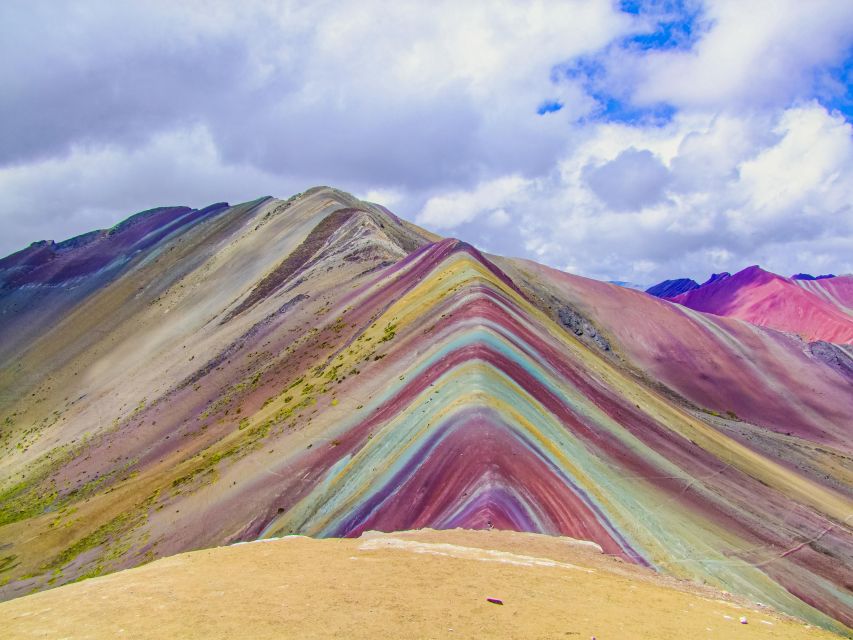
389,379
813,308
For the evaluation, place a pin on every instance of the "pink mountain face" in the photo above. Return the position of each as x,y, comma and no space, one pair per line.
838,290
812,309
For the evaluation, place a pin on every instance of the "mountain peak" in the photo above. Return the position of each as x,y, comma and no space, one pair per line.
672,288
766,299
319,366
806,276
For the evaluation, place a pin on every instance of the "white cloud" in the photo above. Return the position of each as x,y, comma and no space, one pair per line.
498,218
430,109
403,97
708,157
725,207
456,208
758,54
810,165
96,186
632,180
386,197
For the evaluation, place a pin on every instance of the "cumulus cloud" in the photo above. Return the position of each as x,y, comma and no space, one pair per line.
385,197
415,97
453,209
807,173
498,218
632,180
95,187
762,54
782,200
688,137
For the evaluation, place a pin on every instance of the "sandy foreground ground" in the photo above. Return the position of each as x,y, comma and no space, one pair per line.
419,584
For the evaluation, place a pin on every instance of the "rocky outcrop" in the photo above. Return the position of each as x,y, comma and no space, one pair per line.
837,357
580,326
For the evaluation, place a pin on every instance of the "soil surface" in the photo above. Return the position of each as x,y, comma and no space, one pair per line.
418,584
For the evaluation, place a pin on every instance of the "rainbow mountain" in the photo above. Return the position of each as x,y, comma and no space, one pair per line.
818,309
317,365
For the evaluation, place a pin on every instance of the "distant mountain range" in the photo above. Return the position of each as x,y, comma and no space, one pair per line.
815,308
317,365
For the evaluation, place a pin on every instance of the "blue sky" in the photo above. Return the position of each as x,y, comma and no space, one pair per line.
633,140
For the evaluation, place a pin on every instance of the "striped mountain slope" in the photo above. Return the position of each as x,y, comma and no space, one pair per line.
320,366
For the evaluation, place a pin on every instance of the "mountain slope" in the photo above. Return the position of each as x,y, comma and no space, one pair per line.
320,366
47,279
720,365
814,309
837,290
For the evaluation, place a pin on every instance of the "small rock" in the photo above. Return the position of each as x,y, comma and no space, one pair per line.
743,620
495,600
